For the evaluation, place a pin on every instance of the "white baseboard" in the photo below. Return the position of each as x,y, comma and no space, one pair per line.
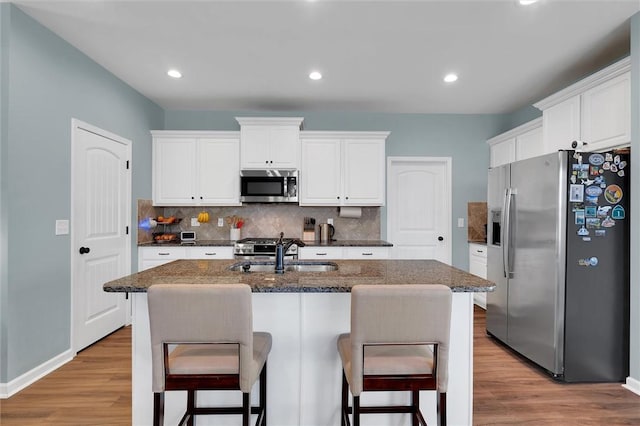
19,383
633,385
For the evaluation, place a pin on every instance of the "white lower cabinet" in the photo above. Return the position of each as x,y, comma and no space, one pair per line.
347,253
149,257
305,253
478,266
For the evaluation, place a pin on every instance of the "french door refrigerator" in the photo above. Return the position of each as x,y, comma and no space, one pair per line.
558,251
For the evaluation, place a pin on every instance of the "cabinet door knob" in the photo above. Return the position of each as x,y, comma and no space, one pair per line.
84,250
440,238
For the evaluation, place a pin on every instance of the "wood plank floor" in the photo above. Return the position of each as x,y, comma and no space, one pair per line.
95,389
510,391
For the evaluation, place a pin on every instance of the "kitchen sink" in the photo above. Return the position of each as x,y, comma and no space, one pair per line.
294,266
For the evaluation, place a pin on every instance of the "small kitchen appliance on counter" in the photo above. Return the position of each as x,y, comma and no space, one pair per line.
261,248
309,229
326,232
188,237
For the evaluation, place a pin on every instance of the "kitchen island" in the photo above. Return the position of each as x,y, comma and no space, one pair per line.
305,312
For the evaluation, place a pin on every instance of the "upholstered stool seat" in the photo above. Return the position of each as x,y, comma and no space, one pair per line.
202,339
399,341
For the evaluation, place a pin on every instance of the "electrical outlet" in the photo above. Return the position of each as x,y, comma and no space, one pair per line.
330,221
220,222
194,221
461,222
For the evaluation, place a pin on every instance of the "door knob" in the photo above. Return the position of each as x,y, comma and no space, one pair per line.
440,238
84,250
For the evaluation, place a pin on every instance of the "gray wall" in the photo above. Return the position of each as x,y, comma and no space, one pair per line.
461,137
4,64
634,353
45,84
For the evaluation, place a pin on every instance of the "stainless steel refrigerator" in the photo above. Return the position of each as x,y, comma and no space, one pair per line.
558,251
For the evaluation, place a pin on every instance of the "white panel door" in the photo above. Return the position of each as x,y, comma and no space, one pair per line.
101,187
419,207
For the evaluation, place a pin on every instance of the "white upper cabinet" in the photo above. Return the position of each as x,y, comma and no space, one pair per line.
342,168
269,142
522,142
595,110
196,168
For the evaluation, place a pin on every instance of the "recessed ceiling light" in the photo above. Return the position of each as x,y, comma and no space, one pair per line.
527,2
174,73
450,78
315,75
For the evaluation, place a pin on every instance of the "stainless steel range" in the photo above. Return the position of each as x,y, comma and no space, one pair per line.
262,248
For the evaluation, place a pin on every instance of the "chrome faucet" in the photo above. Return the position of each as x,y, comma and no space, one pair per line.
281,249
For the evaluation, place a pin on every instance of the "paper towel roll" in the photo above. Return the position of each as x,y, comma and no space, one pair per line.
352,212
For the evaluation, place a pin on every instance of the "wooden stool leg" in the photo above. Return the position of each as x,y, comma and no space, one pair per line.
191,407
263,394
356,411
158,409
442,409
344,415
246,408
415,404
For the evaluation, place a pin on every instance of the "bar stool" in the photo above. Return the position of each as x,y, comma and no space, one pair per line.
399,341
202,339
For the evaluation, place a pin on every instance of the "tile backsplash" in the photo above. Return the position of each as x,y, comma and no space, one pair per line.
477,222
262,220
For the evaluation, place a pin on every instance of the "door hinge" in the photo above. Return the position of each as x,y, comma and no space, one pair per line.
127,230
127,164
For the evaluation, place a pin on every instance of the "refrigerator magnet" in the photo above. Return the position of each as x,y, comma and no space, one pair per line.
593,190
576,193
573,179
622,165
590,199
593,222
596,159
594,170
613,194
608,222
608,157
616,159
618,212
600,232
621,173
603,211
583,231
606,165
614,168
580,217
590,211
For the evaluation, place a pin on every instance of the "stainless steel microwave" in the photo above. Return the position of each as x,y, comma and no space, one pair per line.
269,186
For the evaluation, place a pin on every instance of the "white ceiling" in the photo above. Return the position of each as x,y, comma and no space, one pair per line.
385,56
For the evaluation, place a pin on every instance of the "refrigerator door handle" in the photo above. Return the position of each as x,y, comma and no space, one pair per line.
504,226
507,255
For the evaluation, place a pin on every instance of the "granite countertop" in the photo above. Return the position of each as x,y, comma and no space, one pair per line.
348,243
198,243
222,243
349,273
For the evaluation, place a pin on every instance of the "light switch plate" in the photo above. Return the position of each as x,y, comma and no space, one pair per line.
62,227
330,221
194,221
461,222
220,222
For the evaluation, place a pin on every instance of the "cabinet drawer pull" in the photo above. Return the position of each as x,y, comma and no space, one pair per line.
480,251
164,254
210,254
321,254
367,254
